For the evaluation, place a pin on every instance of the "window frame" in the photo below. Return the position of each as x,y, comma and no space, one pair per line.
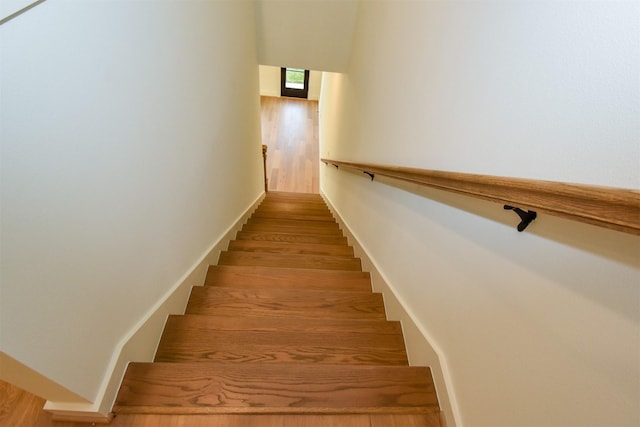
292,92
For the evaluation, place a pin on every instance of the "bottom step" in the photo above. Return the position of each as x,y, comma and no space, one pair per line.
217,388
350,420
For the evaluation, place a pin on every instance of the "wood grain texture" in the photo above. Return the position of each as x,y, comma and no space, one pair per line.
22,409
345,420
320,262
290,130
294,196
291,248
286,327
19,408
212,300
351,420
291,238
216,420
282,203
393,420
322,225
292,226
281,197
192,388
275,324
300,214
287,278
198,338
613,208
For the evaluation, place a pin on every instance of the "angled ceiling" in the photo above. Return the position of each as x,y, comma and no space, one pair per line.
310,34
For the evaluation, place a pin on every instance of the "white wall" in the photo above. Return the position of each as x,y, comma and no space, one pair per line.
128,149
270,82
535,328
315,85
313,35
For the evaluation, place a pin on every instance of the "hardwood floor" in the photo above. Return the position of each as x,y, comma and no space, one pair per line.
290,130
19,408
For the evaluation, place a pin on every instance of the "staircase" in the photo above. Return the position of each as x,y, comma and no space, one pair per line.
286,324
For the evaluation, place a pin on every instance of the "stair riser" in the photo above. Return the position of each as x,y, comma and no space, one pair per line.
287,207
320,213
274,260
284,207
316,305
294,222
186,339
291,238
236,353
291,248
309,326
294,197
294,216
267,236
293,229
281,278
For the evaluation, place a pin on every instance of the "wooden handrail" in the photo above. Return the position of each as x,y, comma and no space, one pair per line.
614,208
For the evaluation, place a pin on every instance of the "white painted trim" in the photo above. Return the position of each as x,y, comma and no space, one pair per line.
443,380
140,343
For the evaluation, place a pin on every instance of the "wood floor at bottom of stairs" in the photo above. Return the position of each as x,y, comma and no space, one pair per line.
357,420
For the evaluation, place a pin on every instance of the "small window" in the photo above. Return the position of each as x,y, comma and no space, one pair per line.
294,82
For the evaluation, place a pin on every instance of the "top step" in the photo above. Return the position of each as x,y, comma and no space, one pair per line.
281,195
293,211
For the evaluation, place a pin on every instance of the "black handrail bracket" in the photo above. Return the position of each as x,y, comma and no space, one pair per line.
526,217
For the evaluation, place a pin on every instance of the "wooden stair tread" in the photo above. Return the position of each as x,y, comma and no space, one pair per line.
287,278
300,197
285,303
197,338
292,206
292,226
308,216
202,387
291,237
264,259
292,229
286,326
294,212
294,222
279,420
301,324
291,248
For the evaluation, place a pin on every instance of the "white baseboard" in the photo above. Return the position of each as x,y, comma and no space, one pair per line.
139,345
421,350
274,94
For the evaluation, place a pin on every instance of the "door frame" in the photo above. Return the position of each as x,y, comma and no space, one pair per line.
295,93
